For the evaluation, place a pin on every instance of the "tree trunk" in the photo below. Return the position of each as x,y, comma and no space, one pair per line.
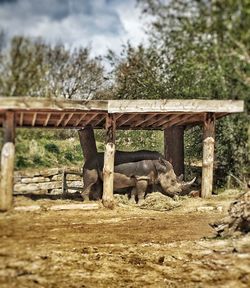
88,144
108,169
174,148
7,163
208,155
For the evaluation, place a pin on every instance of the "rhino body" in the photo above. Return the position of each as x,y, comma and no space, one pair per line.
132,171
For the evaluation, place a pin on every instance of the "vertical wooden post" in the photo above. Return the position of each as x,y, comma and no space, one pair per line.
88,143
64,183
108,168
208,155
174,148
7,162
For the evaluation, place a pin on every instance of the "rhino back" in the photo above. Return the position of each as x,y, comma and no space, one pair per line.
140,168
122,157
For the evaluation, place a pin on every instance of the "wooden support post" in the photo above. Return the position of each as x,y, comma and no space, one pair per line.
64,183
174,147
208,155
7,162
108,168
88,144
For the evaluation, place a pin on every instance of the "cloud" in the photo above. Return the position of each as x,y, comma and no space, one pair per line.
105,24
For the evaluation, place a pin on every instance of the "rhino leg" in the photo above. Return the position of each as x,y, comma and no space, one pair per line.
133,195
90,177
141,187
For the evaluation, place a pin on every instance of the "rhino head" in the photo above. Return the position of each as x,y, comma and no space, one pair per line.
170,184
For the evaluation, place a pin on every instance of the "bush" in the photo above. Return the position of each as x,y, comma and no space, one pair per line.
69,156
51,147
22,162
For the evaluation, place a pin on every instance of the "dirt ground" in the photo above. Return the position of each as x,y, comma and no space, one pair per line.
124,247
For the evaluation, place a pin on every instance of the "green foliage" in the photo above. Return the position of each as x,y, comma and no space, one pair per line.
34,150
34,68
133,140
198,49
51,147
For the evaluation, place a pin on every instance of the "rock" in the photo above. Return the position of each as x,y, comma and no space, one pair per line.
194,193
205,208
238,219
34,180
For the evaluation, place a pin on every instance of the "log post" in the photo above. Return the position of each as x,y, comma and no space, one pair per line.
174,147
208,155
108,168
7,162
88,143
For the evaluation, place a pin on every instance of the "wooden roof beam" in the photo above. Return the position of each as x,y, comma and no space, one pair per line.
46,120
194,118
154,120
21,119
144,119
68,119
164,124
78,121
34,119
91,118
99,120
129,118
60,120
176,120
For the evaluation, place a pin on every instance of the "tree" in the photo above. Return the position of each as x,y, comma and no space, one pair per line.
204,48
34,68
135,73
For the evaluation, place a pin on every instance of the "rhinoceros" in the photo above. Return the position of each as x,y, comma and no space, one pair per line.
137,170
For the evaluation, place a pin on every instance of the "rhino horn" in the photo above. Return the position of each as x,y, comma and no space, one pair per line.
180,177
186,185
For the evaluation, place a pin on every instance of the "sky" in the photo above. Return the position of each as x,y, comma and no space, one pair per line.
102,24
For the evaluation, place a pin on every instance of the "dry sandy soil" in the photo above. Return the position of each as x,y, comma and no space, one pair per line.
125,247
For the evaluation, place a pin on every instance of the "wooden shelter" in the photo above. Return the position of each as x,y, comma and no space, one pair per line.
171,116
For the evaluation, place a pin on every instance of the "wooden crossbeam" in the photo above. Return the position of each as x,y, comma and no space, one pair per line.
68,119
170,120
99,120
78,121
60,120
144,119
90,119
154,120
193,117
129,118
34,119
165,120
178,120
21,119
46,120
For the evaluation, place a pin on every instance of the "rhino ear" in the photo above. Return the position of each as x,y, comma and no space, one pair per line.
165,163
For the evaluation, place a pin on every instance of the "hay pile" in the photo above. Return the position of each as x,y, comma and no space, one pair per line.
159,202
238,219
122,200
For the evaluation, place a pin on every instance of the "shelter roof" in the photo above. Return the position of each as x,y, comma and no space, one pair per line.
129,114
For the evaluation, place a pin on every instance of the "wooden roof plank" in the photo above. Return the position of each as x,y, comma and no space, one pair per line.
175,105
55,104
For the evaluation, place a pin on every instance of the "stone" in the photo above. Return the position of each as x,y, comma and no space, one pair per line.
34,180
